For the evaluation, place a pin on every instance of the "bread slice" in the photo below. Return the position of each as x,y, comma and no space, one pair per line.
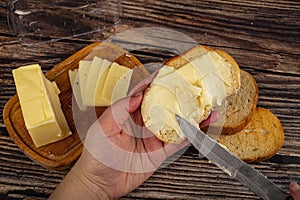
187,85
238,108
261,138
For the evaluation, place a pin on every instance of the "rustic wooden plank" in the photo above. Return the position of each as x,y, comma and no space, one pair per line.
202,179
20,177
262,36
220,22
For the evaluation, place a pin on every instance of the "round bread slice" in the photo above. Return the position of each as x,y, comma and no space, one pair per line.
261,138
239,107
188,85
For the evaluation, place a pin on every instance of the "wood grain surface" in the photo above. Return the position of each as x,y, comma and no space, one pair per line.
263,37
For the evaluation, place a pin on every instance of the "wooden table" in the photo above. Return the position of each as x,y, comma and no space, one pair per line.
263,37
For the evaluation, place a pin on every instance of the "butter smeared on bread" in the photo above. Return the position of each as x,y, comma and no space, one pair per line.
239,107
189,85
260,139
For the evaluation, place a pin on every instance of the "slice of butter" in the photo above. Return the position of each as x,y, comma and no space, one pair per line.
74,82
40,105
116,84
100,83
83,73
91,83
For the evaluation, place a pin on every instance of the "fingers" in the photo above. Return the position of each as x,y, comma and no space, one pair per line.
135,102
213,117
120,111
295,190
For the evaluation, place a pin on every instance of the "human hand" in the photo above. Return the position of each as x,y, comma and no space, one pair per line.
119,154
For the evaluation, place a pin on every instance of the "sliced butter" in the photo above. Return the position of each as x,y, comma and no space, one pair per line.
40,106
91,83
116,84
83,73
74,81
100,83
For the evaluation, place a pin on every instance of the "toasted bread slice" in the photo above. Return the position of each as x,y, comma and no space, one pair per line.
239,107
189,85
261,138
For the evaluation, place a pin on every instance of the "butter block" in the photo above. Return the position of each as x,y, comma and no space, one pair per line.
116,84
40,105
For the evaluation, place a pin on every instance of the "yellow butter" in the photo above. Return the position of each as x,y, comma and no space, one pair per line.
40,106
116,84
74,82
171,93
91,83
100,83
190,91
83,73
211,80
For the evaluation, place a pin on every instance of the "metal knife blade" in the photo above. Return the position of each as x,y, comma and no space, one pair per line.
232,165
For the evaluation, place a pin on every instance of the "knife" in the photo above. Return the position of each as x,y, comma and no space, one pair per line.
230,164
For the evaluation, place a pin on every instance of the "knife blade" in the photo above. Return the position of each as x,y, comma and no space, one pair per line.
230,164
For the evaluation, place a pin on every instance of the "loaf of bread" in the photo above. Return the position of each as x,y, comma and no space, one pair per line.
238,108
260,139
189,85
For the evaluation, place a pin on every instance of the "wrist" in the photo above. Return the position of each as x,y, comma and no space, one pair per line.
77,185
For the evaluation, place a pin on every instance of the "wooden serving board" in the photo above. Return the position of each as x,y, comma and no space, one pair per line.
64,153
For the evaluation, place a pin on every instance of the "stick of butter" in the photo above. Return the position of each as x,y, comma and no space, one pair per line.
40,105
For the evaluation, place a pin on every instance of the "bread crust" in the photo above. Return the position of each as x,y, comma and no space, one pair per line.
181,60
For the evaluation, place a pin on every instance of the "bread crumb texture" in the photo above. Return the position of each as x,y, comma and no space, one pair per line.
260,139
